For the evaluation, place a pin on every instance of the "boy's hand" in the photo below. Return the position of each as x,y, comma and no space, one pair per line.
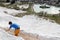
8,30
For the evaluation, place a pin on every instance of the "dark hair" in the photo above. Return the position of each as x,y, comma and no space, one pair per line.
10,22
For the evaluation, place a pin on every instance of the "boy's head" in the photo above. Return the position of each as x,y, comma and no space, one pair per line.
10,22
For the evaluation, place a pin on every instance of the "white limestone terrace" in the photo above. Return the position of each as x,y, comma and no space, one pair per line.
6,36
11,11
51,10
31,24
25,6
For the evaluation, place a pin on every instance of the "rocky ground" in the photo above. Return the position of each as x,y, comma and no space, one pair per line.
24,35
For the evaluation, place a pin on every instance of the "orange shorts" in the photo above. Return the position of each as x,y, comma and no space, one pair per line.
17,31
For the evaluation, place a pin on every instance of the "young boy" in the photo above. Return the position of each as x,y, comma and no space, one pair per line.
16,27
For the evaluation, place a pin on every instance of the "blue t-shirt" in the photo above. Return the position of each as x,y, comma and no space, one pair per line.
14,26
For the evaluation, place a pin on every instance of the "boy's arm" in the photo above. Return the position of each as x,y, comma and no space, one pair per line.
9,28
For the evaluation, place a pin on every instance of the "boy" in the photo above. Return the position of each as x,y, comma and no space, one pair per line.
16,27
